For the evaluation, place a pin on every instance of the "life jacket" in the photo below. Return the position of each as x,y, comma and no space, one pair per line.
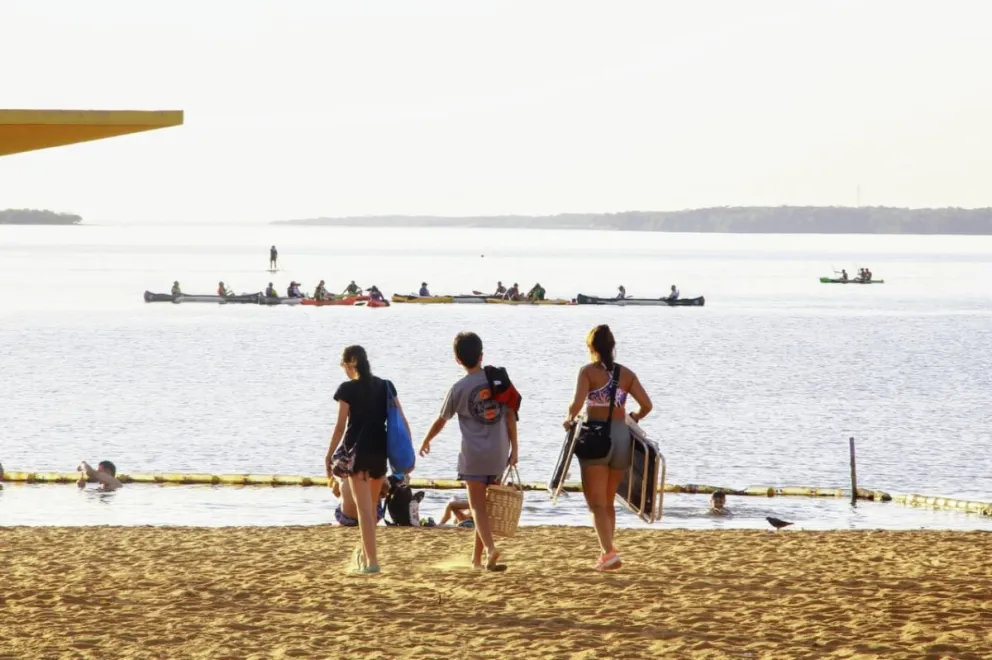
502,389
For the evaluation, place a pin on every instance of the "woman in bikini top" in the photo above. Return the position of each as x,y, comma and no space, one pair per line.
602,476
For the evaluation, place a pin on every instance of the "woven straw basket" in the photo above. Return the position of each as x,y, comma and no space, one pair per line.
504,502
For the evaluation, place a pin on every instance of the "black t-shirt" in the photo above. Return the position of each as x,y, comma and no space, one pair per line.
366,415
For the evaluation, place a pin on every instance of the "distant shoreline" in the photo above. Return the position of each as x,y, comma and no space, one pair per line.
36,217
724,220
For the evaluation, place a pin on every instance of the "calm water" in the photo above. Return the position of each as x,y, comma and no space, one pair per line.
762,386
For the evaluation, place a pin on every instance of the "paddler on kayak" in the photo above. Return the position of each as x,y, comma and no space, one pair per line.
376,294
536,293
500,290
424,292
352,290
293,291
176,291
622,292
270,291
674,295
843,275
223,291
320,293
513,293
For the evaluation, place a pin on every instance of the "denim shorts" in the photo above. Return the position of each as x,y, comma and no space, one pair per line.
347,521
489,479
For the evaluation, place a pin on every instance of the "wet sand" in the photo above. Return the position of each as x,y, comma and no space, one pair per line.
286,592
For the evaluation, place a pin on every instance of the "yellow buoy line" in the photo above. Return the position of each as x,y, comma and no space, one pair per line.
930,501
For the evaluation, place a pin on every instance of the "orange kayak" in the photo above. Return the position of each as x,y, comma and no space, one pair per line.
351,300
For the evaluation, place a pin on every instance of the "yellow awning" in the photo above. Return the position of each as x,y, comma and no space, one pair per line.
30,130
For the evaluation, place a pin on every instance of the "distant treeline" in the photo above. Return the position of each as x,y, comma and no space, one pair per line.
35,217
726,219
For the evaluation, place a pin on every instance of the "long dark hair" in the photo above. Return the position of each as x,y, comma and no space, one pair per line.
602,345
356,357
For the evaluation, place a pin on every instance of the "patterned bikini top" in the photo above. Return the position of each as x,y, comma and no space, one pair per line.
600,398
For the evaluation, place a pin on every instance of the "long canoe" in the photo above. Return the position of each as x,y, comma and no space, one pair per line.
247,298
834,280
548,301
423,300
583,299
278,300
347,300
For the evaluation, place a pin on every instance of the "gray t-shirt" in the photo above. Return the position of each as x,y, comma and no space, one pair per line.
485,438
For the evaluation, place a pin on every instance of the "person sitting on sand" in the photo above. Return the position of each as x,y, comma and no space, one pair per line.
105,475
346,512
458,509
489,441
601,386
718,503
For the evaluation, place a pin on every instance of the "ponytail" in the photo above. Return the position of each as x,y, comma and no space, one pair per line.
602,345
356,357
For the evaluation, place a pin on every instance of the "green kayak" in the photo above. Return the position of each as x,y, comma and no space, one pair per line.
834,280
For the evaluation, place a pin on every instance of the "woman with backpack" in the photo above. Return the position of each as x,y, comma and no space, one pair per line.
604,445
358,444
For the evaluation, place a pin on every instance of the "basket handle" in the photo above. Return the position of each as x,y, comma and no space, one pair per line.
511,478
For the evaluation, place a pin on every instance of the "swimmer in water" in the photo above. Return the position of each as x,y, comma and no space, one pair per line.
105,475
718,504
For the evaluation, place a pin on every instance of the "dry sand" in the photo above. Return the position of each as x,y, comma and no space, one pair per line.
285,592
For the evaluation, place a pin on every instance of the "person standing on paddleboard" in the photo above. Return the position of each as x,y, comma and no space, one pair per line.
273,258
602,387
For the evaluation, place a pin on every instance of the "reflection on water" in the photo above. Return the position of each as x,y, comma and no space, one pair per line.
762,386
223,506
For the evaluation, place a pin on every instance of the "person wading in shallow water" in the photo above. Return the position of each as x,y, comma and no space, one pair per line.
105,475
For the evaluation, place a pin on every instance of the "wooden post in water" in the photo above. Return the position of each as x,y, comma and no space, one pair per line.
854,477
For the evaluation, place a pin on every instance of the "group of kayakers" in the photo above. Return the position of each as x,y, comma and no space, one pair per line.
293,291
864,275
537,292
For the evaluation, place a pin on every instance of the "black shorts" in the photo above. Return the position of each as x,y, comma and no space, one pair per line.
374,464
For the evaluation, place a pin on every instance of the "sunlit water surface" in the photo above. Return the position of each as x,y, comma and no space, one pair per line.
764,385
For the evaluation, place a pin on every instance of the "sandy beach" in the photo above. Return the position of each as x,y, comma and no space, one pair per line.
286,592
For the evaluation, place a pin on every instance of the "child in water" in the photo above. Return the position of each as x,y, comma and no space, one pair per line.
718,504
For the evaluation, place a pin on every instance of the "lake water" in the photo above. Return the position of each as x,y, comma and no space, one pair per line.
764,385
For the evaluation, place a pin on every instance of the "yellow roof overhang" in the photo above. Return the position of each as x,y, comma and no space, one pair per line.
30,130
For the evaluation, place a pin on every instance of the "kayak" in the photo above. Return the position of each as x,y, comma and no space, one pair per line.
372,303
246,298
472,300
349,300
583,299
423,300
833,280
273,300
548,301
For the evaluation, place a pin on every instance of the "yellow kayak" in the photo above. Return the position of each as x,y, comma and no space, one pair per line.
423,300
549,301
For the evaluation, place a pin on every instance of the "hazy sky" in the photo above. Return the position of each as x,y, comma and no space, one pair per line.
304,108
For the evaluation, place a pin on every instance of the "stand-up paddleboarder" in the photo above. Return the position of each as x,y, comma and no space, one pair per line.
273,258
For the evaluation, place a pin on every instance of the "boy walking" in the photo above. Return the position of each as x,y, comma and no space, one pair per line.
489,441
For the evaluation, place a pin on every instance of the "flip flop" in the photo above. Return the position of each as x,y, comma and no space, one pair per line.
491,564
368,570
